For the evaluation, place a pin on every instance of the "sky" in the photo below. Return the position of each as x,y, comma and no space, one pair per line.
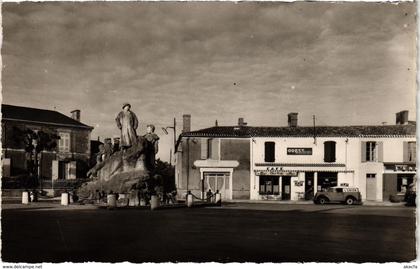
346,63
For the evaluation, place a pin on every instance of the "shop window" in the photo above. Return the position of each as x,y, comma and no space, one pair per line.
326,180
269,185
329,151
64,142
269,151
403,182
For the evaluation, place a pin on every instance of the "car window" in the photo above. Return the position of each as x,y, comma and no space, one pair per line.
339,189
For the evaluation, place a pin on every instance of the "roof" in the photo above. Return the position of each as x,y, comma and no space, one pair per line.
35,115
305,131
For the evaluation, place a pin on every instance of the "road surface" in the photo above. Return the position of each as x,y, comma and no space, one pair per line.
232,233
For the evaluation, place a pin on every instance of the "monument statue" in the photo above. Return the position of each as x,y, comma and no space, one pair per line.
153,148
127,122
130,170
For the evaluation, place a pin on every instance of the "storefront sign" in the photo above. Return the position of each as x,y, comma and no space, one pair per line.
401,167
299,151
275,171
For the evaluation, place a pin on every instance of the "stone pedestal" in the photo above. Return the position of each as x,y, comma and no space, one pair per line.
154,202
65,199
25,197
111,200
189,200
218,198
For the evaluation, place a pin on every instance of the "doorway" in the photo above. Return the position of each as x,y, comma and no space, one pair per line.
217,181
285,188
371,187
309,185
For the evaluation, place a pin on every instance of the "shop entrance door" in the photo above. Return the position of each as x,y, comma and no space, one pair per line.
309,185
285,188
371,187
217,181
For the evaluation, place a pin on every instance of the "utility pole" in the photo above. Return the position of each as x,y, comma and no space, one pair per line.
165,130
313,117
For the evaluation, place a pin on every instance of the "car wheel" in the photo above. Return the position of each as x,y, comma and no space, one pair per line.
322,200
350,201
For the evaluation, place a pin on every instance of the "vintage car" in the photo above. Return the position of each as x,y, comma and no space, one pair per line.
346,195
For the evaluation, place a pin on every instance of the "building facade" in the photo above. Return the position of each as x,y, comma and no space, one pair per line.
293,162
68,160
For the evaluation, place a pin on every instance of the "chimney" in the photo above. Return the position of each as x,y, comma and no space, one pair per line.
241,122
402,117
292,119
186,124
75,114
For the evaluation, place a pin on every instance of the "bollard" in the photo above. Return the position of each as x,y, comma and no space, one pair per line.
154,202
25,197
65,198
111,200
189,200
218,198
142,202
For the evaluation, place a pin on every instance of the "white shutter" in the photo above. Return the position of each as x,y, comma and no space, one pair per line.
54,170
6,167
380,146
204,148
72,170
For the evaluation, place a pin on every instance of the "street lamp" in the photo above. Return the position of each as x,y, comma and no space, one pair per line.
165,130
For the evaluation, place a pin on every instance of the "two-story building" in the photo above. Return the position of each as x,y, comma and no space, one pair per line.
69,160
294,162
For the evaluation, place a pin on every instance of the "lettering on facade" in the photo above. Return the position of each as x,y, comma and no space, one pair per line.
400,167
299,151
275,171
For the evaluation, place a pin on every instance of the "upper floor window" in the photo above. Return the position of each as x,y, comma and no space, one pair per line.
269,151
210,148
372,151
410,151
329,151
64,142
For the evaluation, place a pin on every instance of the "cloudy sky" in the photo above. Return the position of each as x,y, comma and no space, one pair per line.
346,63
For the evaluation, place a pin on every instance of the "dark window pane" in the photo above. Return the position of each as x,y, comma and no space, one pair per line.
269,151
329,151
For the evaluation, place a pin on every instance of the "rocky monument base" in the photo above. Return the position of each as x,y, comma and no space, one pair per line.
126,172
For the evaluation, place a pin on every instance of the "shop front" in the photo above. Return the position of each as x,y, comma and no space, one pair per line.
274,184
301,183
397,179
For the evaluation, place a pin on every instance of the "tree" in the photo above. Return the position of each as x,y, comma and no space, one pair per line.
34,142
167,173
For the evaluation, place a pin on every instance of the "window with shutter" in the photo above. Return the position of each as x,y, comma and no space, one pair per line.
269,151
204,148
411,149
371,151
329,151
214,149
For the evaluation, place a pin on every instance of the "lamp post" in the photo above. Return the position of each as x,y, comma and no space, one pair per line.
165,130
